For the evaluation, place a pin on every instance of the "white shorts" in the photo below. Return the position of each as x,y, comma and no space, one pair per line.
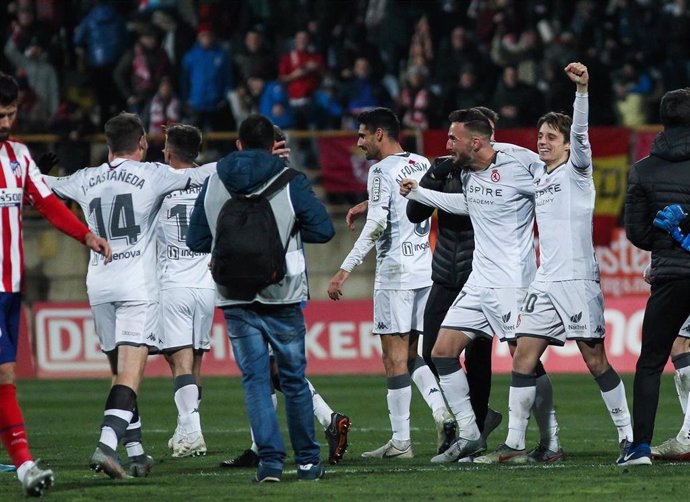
399,310
685,330
126,323
186,318
564,310
485,312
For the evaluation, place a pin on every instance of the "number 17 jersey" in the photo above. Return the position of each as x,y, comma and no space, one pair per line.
120,201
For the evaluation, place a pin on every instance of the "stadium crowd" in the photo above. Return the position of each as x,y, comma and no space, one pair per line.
308,65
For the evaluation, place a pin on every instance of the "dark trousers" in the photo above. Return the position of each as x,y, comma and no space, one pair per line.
667,309
477,355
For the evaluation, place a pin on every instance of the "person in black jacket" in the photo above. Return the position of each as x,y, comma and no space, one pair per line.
654,182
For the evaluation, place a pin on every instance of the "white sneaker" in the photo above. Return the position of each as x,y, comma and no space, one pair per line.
446,431
36,481
461,448
671,449
392,449
190,444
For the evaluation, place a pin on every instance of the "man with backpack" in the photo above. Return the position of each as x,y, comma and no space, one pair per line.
254,215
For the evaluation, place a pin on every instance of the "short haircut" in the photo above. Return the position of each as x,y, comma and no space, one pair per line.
558,121
256,132
381,118
475,121
123,132
674,110
9,90
488,113
184,141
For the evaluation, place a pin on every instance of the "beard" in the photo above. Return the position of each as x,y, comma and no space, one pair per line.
462,161
4,135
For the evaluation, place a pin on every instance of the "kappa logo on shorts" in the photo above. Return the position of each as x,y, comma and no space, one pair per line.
599,330
381,325
506,317
687,328
151,337
576,318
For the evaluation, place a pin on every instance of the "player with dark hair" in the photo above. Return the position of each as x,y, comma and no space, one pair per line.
402,280
187,294
21,181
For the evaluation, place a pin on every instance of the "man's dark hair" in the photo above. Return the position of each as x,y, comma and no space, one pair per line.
488,113
123,132
9,90
256,132
184,141
674,110
475,121
381,118
558,121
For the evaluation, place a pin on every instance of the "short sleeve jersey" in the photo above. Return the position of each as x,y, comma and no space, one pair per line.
500,202
403,254
565,209
178,266
120,201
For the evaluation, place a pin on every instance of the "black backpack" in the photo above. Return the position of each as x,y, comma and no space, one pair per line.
248,254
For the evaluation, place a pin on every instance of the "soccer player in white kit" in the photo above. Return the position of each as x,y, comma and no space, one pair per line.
121,199
564,302
402,279
499,197
187,294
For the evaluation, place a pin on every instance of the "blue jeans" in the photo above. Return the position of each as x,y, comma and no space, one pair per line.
251,330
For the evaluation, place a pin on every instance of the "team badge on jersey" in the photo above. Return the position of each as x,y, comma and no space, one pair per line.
495,176
16,168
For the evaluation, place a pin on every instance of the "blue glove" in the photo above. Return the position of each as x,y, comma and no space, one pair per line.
669,217
677,235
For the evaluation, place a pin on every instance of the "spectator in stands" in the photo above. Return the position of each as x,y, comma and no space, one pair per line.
520,50
416,103
254,59
275,105
32,112
140,70
163,109
456,52
467,92
516,103
632,83
40,73
178,37
206,79
72,124
361,92
301,70
103,34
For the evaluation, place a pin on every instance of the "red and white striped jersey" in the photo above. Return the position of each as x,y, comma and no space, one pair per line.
20,182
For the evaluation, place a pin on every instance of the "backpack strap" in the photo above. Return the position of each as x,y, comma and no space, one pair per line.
283,179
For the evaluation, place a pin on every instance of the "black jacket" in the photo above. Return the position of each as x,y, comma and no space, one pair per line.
654,182
452,262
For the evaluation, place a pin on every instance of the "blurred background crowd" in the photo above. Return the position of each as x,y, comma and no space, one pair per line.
315,64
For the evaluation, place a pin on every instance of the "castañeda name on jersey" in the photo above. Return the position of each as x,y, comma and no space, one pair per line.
114,175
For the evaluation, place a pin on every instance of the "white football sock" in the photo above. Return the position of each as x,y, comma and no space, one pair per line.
322,411
545,414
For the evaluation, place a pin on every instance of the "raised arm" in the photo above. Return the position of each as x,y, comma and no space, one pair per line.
453,203
580,149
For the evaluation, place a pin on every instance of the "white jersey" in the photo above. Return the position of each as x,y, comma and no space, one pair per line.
565,209
403,254
120,201
178,266
500,203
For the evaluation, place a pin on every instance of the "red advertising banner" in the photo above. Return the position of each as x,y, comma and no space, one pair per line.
643,143
338,341
621,265
343,166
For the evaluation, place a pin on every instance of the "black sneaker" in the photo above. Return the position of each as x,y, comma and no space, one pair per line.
336,435
248,459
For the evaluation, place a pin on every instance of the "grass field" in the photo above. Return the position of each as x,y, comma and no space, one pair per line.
63,420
